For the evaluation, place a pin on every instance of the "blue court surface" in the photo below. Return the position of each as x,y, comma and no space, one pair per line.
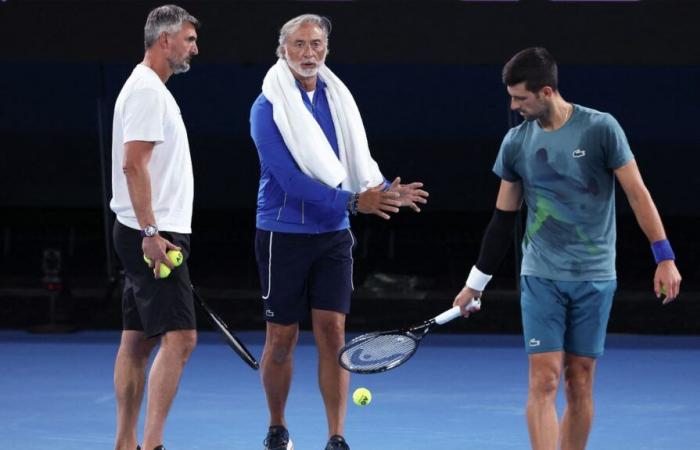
458,392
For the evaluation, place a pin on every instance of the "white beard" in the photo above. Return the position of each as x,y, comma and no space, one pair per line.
306,73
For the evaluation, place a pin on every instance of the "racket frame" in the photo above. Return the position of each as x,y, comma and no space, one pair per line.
416,333
231,339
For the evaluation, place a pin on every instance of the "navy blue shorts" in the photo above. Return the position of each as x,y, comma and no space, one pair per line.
303,271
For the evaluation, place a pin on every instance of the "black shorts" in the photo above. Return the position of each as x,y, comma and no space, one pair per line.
303,271
151,305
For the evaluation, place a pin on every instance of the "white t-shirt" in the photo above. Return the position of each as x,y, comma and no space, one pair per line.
146,111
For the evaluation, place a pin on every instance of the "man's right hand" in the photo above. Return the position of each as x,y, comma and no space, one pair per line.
155,249
378,202
464,297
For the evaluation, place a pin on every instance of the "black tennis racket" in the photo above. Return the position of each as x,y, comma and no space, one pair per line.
229,337
385,350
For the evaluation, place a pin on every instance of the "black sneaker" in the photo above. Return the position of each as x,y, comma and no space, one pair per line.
337,442
278,439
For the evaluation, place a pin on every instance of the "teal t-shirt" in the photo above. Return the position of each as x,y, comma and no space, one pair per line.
569,188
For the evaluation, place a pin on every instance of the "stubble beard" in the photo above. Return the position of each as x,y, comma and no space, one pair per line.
179,66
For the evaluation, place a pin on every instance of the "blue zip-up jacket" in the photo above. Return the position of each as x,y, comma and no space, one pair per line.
289,200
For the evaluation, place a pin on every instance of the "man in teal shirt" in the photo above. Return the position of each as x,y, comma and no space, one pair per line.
563,161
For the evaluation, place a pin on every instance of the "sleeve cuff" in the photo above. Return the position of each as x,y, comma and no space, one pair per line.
341,200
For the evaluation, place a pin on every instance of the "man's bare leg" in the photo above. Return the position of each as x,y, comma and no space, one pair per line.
329,331
576,424
163,380
129,381
545,371
277,365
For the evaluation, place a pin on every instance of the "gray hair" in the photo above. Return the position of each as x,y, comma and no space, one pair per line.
292,25
168,19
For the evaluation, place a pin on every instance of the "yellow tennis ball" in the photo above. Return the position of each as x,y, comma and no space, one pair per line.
164,271
362,396
175,256
663,290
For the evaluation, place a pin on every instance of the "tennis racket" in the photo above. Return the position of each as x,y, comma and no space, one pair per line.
229,337
385,350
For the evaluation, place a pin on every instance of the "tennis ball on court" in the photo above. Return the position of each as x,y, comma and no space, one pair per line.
175,256
362,396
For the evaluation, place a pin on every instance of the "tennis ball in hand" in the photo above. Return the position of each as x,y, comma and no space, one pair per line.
175,256
362,396
663,290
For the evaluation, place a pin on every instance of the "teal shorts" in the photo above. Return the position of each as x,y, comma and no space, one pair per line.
569,316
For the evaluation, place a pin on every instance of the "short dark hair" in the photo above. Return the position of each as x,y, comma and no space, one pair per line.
535,66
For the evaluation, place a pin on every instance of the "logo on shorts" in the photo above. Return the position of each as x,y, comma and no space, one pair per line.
578,153
534,342
269,313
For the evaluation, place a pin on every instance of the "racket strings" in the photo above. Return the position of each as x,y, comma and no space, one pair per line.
379,352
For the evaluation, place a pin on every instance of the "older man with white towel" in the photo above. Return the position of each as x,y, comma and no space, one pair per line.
315,170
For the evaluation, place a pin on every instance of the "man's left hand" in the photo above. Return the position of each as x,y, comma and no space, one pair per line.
667,278
410,194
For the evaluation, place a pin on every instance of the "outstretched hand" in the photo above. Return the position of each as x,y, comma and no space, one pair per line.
410,194
378,202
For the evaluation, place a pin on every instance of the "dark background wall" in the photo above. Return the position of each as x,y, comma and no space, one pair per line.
426,76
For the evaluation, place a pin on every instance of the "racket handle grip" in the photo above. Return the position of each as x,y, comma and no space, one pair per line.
453,313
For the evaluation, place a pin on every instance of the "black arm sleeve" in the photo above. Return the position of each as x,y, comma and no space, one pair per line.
496,241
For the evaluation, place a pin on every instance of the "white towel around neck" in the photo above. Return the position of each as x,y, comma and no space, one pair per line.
305,139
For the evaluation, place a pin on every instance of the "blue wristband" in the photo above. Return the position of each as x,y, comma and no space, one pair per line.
662,250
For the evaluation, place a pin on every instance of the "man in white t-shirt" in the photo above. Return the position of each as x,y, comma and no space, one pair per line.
152,187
